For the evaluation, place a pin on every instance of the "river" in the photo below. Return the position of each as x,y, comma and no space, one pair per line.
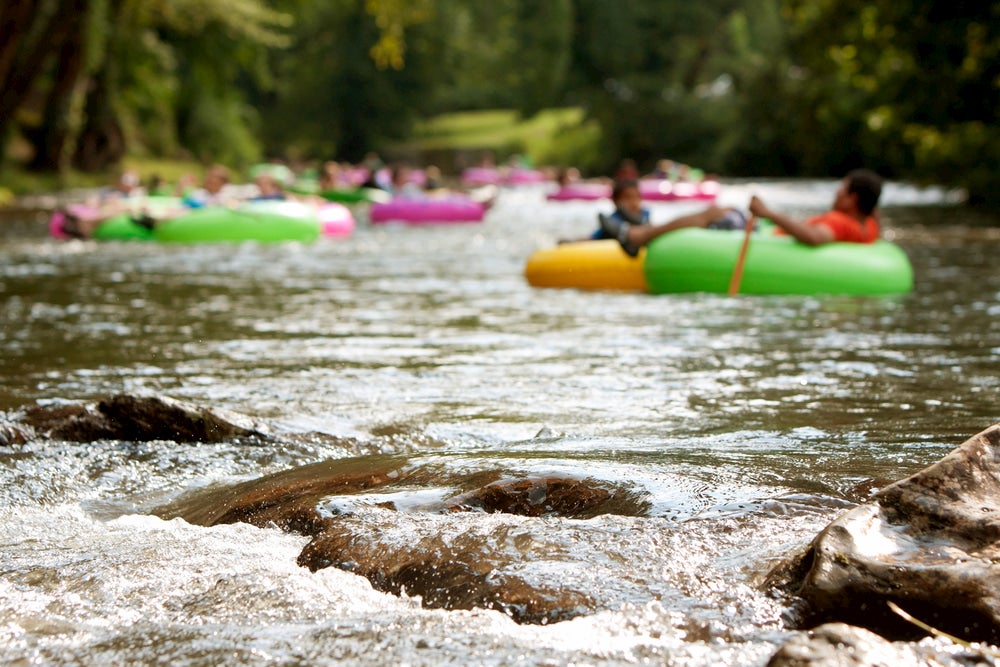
745,424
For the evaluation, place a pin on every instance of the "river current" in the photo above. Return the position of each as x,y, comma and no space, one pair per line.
745,424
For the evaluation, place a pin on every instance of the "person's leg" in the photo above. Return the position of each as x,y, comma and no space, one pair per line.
77,227
640,235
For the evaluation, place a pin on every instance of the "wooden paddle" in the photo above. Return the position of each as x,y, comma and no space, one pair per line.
734,282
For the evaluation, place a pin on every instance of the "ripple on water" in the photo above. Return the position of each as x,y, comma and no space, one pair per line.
743,425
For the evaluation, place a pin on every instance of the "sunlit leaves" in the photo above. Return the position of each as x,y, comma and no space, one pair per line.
392,18
252,20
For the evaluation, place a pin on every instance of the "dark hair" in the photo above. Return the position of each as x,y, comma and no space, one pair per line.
867,185
621,186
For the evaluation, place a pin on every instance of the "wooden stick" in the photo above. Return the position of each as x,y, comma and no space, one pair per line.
734,283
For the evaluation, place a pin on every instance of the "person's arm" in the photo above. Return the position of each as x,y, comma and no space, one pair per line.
808,234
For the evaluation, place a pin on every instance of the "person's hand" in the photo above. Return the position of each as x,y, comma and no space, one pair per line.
715,212
758,208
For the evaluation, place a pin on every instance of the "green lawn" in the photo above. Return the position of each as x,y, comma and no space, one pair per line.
553,136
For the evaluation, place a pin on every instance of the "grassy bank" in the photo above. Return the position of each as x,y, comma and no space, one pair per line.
553,136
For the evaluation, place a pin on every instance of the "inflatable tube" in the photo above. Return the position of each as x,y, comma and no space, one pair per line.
122,227
581,191
428,211
481,176
702,260
355,195
522,176
597,265
654,189
335,220
58,220
265,222
345,195
474,176
155,206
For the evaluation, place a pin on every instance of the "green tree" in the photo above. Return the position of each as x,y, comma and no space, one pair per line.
108,49
909,88
331,97
649,73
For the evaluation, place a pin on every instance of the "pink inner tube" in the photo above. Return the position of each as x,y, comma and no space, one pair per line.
82,211
653,189
356,176
56,225
582,191
481,176
335,220
525,177
453,209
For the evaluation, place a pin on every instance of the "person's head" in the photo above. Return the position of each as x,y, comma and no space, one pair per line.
433,176
626,196
859,192
330,174
627,170
401,175
568,175
127,181
267,185
216,178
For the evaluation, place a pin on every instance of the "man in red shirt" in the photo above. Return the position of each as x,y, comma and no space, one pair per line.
852,218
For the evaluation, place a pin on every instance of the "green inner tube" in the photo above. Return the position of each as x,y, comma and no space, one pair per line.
702,260
266,223
122,228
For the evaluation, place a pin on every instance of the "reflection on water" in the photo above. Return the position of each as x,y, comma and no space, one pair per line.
745,424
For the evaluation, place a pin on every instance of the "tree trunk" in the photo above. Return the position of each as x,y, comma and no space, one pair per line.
51,137
15,17
21,61
101,143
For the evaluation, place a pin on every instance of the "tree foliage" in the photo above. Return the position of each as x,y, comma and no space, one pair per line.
762,87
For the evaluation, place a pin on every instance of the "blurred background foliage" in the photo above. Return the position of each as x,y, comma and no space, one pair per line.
758,88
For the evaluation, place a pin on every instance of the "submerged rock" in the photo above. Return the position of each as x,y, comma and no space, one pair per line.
472,570
840,645
465,572
929,543
13,434
565,497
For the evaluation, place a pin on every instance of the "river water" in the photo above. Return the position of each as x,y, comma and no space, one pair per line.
745,425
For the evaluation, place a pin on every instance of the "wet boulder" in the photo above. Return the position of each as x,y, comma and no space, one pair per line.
289,500
929,543
138,419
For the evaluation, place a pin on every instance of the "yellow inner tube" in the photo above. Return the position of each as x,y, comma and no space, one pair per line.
598,265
